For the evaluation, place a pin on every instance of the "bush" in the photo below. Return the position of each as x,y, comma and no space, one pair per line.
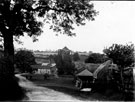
96,58
23,60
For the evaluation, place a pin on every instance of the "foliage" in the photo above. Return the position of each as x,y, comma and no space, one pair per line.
76,56
4,64
19,16
96,58
122,55
23,60
64,63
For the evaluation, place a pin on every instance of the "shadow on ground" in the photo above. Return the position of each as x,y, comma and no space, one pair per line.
66,86
10,90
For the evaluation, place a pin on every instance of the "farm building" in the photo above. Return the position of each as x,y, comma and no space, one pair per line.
86,74
45,68
90,66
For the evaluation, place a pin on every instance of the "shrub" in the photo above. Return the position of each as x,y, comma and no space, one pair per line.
23,60
96,58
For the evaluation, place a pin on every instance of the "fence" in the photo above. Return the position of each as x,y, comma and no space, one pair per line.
128,87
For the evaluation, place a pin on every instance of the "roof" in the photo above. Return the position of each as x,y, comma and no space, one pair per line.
80,66
85,72
45,64
53,64
92,67
101,68
65,48
37,66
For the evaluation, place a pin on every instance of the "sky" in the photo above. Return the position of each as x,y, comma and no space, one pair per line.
115,23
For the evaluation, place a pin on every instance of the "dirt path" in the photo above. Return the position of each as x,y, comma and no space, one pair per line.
36,93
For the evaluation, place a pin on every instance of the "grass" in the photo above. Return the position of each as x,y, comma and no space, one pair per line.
66,86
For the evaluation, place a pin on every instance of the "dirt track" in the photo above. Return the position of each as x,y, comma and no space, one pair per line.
61,89
36,93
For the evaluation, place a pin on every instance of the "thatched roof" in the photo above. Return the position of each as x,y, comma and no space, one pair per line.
95,70
98,73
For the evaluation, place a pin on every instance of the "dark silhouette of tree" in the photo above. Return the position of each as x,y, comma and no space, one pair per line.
19,17
96,58
76,56
64,63
23,60
122,55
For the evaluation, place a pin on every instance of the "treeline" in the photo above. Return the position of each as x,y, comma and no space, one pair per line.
122,55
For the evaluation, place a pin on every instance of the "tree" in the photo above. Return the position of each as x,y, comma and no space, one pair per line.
19,17
76,56
23,60
96,58
64,63
122,55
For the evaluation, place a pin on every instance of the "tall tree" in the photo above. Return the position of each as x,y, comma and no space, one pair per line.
76,56
64,62
122,55
18,17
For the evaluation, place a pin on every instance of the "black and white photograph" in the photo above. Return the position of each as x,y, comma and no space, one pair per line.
67,50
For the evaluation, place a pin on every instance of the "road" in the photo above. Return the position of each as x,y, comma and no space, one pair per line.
38,93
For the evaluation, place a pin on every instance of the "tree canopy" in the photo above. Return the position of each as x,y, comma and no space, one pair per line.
19,16
122,55
23,60
96,58
64,62
76,56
